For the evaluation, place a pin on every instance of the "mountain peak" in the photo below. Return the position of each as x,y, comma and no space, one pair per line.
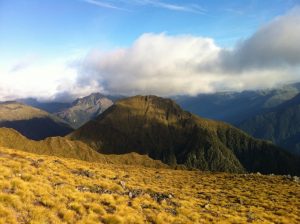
152,103
84,109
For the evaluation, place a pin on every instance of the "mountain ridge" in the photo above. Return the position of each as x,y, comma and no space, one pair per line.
62,147
161,129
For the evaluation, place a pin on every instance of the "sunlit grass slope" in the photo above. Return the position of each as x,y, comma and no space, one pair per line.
47,189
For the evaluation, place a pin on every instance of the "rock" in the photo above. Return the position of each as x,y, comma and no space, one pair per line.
296,179
133,193
159,197
94,189
130,195
123,184
206,206
239,201
82,172
173,211
9,190
82,188
57,184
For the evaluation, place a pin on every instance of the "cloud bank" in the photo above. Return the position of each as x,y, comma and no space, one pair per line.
170,65
165,65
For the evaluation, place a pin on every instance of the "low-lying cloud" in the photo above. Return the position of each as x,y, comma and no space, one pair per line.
184,64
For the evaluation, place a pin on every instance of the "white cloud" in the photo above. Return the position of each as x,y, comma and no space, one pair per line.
120,5
165,65
169,65
274,45
103,4
160,4
23,63
44,79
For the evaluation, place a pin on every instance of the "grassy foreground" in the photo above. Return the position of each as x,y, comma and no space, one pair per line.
48,189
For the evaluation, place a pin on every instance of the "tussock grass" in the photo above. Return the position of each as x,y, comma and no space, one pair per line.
47,189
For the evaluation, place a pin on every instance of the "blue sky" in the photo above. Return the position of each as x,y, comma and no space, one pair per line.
53,26
53,29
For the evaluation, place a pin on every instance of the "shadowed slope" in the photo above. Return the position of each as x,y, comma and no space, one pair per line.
31,122
161,129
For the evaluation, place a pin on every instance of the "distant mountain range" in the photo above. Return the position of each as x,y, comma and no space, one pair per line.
79,111
280,125
159,128
50,107
266,114
31,122
236,107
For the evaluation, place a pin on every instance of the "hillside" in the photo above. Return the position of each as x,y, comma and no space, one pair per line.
31,122
161,129
85,109
47,189
280,125
62,147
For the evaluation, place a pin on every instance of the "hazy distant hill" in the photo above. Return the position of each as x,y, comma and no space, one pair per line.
161,129
84,109
31,122
49,106
235,107
280,125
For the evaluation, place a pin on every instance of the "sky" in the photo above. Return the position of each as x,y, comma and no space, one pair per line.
61,49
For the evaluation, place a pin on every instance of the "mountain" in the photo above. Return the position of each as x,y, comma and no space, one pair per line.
31,122
235,107
62,147
280,125
159,128
84,109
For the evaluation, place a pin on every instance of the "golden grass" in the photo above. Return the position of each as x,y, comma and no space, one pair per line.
47,189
